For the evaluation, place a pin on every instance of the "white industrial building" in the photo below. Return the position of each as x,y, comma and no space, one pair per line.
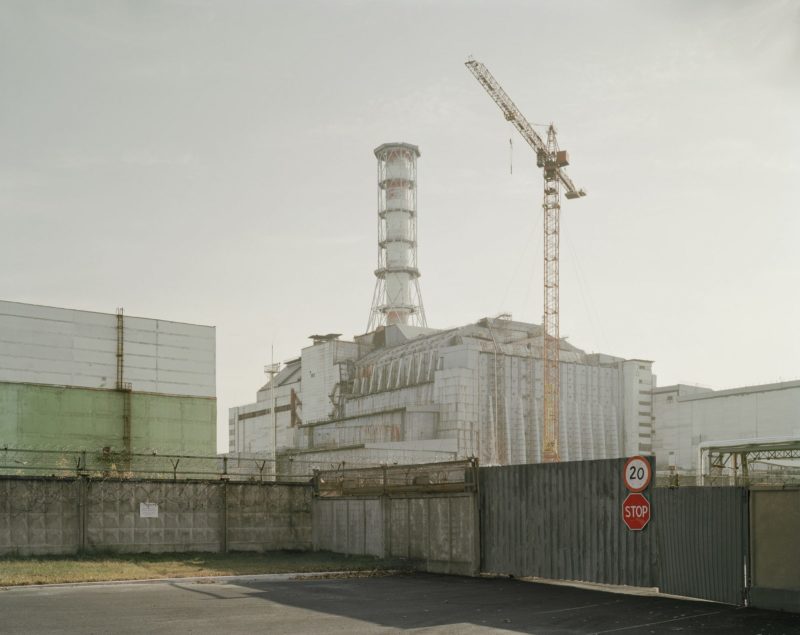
82,380
410,394
688,419
69,347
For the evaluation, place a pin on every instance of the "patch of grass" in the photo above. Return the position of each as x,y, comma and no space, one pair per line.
106,567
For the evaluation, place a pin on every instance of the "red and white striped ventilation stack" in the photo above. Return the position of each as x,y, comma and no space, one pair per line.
397,298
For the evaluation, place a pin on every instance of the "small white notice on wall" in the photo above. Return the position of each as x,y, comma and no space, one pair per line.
148,510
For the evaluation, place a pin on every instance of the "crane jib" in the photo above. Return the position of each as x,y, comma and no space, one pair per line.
513,114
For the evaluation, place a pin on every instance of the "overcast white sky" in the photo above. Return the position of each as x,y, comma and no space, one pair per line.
211,162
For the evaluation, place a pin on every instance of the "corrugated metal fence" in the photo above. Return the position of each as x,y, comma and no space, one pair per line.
702,541
562,521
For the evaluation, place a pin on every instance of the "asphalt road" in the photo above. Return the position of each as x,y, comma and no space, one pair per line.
427,603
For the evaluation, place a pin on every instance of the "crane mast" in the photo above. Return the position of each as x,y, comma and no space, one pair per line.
551,160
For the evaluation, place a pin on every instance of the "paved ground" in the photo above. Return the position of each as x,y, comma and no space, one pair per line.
428,603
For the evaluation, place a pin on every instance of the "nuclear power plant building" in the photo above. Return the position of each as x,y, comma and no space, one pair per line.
406,393
410,394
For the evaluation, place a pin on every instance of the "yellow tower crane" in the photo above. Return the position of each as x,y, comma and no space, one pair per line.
553,161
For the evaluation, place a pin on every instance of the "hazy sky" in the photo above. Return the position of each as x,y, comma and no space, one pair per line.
211,162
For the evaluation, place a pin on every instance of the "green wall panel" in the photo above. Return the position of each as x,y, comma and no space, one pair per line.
56,417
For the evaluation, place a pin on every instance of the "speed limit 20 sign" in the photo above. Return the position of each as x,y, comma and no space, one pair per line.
637,474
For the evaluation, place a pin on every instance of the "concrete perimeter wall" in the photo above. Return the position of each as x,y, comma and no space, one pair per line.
68,516
774,551
436,533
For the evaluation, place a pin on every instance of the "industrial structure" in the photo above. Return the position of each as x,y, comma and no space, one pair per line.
403,394
406,393
701,433
397,298
553,161
411,395
80,380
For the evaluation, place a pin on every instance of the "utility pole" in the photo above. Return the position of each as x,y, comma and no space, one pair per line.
272,369
552,160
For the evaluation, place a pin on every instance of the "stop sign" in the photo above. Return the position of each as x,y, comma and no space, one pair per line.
636,512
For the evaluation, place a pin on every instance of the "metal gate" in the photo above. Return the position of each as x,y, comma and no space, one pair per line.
562,521
702,535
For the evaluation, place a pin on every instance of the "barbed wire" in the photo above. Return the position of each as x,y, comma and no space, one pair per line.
455,476
100,464
108,463
776,476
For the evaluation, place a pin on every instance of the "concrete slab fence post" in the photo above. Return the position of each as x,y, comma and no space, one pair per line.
386,519
476,510
223,517
82,483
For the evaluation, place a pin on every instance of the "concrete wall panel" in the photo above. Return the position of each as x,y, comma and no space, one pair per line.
418,536
440,530
399,546
264,516
38,517
356,527
435,533
375,533
775,556
340,525
58,516
462,525
188,517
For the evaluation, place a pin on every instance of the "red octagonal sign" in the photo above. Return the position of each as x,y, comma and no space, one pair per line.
636,512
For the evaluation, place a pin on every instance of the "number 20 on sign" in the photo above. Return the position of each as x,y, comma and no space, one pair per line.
637,474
